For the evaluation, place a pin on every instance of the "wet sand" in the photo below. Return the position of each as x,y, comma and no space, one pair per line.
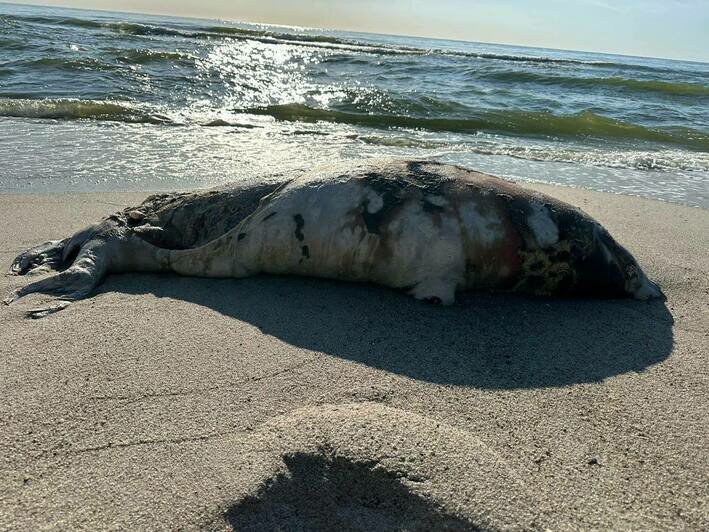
168,402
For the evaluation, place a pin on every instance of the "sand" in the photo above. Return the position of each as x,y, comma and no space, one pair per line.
176,403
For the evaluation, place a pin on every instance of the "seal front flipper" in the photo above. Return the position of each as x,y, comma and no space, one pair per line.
435,290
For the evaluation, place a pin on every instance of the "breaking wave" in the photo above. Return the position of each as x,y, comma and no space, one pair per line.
667,160
585,124
67,109
544,124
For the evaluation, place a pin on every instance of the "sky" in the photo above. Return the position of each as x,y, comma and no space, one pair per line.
676,29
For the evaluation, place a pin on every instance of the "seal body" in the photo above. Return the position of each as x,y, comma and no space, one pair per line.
426,228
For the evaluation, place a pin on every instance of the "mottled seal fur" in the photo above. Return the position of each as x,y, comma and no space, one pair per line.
427,228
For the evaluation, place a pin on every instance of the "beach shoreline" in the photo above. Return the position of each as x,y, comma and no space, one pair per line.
170,402
142,103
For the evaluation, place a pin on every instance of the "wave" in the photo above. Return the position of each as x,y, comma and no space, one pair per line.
67,109
667,160
664,87
580,125
145,56
585,124
11,44
130,28
518,122
92,65
110,111
127,56
521,58
235,31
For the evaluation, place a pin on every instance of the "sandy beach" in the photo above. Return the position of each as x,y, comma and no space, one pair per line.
175,403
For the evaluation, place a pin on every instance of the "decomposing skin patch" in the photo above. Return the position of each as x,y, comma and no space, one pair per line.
424,227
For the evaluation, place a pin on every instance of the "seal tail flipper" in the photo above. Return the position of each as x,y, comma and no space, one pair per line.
52,255
73,284
43,258
95,259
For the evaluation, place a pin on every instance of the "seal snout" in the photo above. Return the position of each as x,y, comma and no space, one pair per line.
637,284
648,289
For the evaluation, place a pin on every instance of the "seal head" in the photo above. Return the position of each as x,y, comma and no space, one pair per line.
567,253
619,272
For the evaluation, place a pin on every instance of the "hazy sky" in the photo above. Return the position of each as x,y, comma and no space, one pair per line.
660,28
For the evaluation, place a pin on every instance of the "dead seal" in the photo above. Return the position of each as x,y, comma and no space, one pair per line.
427,228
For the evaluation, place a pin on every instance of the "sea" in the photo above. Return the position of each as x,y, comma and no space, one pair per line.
101,101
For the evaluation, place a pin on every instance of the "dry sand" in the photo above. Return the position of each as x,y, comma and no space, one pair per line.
167,402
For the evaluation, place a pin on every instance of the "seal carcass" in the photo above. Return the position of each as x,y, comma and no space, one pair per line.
427,228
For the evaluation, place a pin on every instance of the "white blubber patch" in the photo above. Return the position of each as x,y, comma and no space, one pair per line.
545,230
487,229
425,254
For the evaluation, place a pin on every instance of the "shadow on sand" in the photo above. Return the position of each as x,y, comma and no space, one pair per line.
323,493
493,341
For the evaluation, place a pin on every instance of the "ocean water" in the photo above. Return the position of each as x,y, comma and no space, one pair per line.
97,101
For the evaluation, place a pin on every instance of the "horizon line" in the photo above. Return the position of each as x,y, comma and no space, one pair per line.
428,37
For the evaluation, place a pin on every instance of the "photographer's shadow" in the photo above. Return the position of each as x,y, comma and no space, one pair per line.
494,341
